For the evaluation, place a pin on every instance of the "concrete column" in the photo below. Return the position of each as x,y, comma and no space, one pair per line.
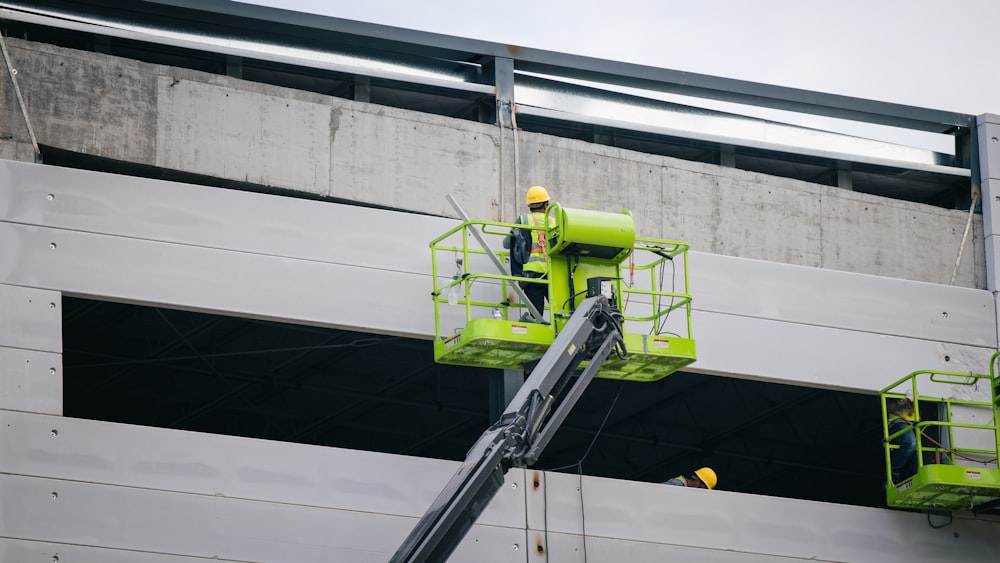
603,136
234,66
845,180
727,155
362,89
30,350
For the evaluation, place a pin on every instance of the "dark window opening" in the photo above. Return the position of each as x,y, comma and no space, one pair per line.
243,377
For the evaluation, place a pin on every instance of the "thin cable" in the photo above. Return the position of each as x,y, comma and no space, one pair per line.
605,421
513,127
356,344
579,472
20,101
951,518
965,236
500,123
955,453
631,280
673,289
571,297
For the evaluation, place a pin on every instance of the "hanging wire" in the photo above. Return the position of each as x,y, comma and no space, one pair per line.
579,471
631,279
955,453
20,100
965,236
658,325
951,518
501,167
360,343
513,126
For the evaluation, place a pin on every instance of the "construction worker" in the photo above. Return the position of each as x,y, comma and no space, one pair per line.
903,460
537,265
704,478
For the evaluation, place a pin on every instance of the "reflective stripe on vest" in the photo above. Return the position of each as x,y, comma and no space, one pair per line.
899,418
537,259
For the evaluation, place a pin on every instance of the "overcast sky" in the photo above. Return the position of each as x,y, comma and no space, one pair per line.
925,53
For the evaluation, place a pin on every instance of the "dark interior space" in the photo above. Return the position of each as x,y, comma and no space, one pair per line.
261,379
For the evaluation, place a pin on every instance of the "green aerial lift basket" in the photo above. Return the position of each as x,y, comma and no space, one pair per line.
947,487
477,324
958,438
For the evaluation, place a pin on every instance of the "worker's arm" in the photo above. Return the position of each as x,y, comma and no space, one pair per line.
507,239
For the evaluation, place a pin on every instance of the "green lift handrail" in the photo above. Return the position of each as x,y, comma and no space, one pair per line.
956,461
476,323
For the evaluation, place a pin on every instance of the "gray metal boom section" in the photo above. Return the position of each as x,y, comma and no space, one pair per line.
535,313
518,437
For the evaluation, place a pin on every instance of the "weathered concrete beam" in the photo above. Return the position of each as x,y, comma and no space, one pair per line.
239,130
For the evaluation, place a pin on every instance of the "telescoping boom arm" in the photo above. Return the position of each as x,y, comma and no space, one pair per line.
517,439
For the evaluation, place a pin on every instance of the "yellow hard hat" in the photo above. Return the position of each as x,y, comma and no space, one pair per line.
537,194
707,476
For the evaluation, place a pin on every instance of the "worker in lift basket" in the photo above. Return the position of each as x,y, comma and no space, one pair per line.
536,265
903,460
704,478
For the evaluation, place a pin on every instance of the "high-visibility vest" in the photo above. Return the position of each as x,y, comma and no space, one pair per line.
537,259
900,418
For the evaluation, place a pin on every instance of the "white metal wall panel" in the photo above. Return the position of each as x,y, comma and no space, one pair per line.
208,279
820,356
23,551
148,241
814,296
29,318
280,226
209,526
30,381
567,548
989,145
724,522
101,485
232,467
156,210
988,137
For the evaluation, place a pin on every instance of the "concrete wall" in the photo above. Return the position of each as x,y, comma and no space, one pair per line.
239,130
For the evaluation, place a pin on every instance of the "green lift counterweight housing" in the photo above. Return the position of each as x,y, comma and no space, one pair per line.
588,252
955,417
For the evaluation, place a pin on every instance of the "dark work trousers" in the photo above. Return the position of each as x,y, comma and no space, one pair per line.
904,459
537,293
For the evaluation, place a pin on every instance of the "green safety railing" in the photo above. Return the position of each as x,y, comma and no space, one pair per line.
665,251
940,482
463,281
458,288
